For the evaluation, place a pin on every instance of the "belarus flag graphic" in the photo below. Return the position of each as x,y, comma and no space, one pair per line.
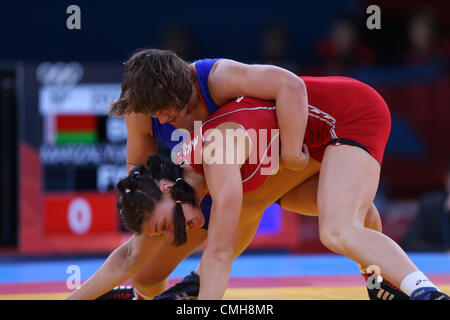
76,129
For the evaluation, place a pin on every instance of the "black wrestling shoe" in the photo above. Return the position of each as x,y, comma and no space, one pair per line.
119,293
428,293
187,289
437,295
387,291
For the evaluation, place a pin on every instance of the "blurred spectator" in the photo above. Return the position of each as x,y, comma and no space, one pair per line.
343,49
178,38
430,230
276,46
425,45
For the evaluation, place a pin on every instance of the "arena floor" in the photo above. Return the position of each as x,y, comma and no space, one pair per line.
255,277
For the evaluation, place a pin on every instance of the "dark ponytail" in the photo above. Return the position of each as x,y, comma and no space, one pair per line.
140,192
179,222
182,192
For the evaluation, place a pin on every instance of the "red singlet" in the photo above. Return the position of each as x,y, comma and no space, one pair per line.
258,119
340,111
345,111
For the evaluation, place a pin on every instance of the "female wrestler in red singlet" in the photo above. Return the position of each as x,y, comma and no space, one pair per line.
350,134
329,135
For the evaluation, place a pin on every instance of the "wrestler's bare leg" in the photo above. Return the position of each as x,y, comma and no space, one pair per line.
348,182
254,203
303,199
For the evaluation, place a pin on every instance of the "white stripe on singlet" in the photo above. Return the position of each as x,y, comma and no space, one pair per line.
323,116
262,159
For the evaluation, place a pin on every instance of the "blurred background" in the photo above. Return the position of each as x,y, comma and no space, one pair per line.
62,155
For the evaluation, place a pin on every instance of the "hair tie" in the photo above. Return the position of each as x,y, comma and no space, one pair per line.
178,179
141,192
178,201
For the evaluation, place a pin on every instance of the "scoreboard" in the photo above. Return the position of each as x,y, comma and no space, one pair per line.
82,148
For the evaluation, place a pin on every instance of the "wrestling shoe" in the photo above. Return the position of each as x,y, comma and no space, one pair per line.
187,289
437,295
428,293
119,293
387,291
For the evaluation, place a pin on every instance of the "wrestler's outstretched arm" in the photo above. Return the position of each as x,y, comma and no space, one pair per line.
121,265
225,186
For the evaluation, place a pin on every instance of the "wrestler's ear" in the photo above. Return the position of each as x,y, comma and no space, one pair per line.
165,186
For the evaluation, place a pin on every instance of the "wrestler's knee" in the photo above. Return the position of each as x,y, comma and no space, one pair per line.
148,285
336,236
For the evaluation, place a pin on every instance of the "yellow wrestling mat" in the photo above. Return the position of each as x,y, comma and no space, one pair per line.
281,293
